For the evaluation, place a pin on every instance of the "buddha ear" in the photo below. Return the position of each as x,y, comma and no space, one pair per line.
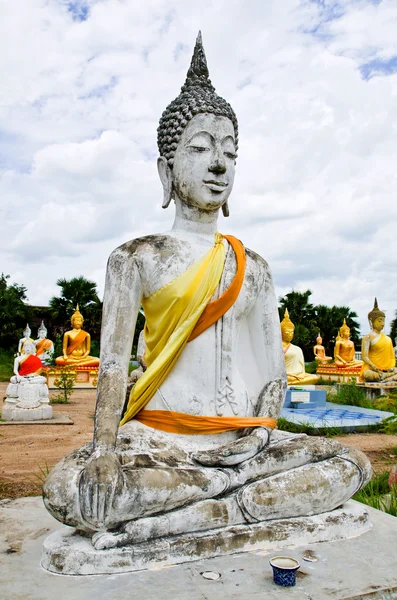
165,175
225,209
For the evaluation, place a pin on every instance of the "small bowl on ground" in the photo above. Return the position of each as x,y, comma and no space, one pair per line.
284,570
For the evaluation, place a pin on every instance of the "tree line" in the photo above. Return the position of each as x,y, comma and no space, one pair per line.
15,312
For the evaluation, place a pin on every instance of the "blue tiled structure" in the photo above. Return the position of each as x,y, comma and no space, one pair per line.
335,415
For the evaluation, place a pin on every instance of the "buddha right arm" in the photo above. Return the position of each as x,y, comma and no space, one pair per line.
337,356
122,300
65,346
365,346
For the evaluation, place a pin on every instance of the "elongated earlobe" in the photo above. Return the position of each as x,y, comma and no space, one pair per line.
225,209
166,179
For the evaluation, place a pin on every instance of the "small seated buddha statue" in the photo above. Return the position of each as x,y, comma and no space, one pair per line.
27,363
293,356
76,345
379,360
197,449
319,351
26,338
344,350
44,346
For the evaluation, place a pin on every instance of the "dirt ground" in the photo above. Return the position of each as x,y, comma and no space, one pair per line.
28,450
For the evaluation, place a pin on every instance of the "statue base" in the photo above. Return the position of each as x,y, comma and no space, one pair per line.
376,389
339,374
67,553
86,378
11,412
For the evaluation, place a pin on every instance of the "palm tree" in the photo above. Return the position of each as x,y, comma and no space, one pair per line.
83,292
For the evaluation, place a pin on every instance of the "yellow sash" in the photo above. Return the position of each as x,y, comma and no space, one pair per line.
381,354
171,315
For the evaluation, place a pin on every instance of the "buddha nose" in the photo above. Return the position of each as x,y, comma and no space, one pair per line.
218,163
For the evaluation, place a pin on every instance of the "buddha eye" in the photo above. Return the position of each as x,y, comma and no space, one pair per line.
231,155
199,148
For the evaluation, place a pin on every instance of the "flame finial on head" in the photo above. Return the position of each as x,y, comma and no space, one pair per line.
286,323
42,329
197,96
76,313
375,312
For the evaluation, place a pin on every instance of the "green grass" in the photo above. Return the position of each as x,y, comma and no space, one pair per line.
285,425
6,364
39,478
350,394
378,494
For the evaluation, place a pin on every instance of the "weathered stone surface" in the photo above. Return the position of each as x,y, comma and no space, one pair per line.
361,567
68,553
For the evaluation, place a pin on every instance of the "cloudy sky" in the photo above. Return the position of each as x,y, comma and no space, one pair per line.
314,86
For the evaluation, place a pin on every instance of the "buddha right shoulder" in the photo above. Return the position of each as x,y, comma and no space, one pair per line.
158,247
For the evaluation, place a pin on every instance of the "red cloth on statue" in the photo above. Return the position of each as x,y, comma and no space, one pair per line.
30,365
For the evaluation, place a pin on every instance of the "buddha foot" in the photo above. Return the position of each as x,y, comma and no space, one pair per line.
68,553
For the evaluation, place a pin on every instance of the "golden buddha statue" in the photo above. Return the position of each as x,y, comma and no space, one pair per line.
379,361
344,349
293,356
76,345
319,351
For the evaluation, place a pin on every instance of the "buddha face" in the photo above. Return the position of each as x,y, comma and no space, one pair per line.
319,340
77,322
287,334
378,324
204,162
345,333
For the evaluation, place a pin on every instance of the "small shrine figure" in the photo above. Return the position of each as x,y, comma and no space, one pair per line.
44,346
293,356
319,351
26,338
344,350
77,344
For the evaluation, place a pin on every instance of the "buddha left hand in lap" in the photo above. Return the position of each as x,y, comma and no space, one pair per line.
76,345
197,448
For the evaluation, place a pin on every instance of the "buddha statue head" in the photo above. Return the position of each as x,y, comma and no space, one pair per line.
42,331
344,331
319,339
287,328
27,332
197,141
77,319
376,318
29,348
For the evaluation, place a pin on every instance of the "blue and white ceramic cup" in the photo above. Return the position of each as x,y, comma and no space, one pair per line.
284,570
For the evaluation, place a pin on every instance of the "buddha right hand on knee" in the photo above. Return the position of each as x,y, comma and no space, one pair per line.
100,482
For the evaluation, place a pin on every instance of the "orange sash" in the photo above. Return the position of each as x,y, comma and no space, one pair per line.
78,340
217,308
42,346
176,422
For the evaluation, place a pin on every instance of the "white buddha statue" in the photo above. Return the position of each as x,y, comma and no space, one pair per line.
197,448
44,346
27,332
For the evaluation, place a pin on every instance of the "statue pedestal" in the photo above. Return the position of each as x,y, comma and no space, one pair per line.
27,400
86,378
376,389
339,374
68,553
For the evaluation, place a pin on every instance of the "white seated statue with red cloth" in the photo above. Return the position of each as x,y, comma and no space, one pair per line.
27,393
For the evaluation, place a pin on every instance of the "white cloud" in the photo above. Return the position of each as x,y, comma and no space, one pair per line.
316,177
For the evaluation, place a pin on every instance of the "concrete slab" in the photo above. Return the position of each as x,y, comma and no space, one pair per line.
363,567
57,419
349,418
